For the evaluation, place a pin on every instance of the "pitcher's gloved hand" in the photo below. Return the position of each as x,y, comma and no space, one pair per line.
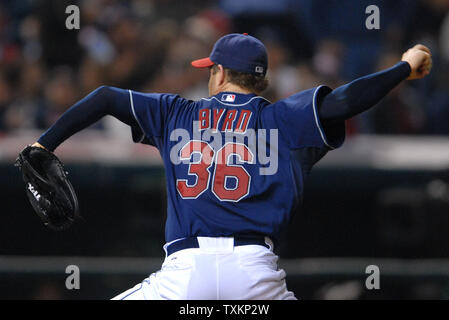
50,192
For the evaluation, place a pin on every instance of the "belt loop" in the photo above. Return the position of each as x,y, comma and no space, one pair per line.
269,243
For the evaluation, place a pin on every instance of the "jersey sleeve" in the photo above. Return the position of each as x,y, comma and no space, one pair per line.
151,111
297,120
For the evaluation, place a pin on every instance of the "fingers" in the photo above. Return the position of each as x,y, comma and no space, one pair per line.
422,48
37,144
425,68
420,59
427,64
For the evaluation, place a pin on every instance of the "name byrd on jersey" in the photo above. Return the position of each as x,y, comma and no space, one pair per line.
228,121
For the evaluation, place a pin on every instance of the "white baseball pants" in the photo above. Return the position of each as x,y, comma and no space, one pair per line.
217,270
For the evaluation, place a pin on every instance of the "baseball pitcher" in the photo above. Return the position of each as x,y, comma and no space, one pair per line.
235,165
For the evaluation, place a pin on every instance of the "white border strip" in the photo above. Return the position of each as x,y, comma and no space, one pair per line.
135,116
235,105
317,121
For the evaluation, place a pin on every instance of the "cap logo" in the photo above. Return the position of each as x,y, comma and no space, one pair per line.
259,69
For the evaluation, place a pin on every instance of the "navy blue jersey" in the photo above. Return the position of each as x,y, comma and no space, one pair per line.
235,163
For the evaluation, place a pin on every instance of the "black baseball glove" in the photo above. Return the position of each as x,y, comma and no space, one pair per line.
50,192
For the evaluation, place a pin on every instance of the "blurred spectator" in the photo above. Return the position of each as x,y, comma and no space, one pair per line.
22,109
437,106
60,92
195,39
444,38
283,75
327,60
5,99
427,19
277,16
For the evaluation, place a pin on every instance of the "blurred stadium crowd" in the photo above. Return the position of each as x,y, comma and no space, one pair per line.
148,45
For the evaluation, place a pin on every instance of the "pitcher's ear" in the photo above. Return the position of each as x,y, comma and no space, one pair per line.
222,74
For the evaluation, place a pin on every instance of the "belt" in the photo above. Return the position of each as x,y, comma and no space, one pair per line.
192,242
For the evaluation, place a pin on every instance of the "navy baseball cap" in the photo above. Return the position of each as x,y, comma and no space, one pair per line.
239,52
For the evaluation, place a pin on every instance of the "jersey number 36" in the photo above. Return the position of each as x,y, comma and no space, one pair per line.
223,170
